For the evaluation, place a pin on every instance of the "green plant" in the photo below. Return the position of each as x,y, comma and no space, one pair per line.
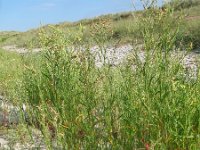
143,103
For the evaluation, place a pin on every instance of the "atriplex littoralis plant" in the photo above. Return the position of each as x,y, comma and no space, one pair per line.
81,106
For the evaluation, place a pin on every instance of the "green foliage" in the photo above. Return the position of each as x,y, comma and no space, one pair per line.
191,34
78,105
183,4
11,71
138,104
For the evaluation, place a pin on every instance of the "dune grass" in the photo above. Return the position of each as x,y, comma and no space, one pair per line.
124,26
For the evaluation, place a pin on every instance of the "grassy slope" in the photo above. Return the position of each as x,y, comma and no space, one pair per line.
123,28
117,21
11,71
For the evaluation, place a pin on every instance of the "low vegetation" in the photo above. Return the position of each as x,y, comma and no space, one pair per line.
11,71
124,27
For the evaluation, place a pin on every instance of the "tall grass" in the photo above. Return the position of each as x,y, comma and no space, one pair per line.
139,104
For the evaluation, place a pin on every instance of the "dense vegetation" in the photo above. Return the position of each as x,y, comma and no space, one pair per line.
11,70
147,103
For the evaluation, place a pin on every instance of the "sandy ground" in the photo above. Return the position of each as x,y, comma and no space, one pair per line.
192,17
14,48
